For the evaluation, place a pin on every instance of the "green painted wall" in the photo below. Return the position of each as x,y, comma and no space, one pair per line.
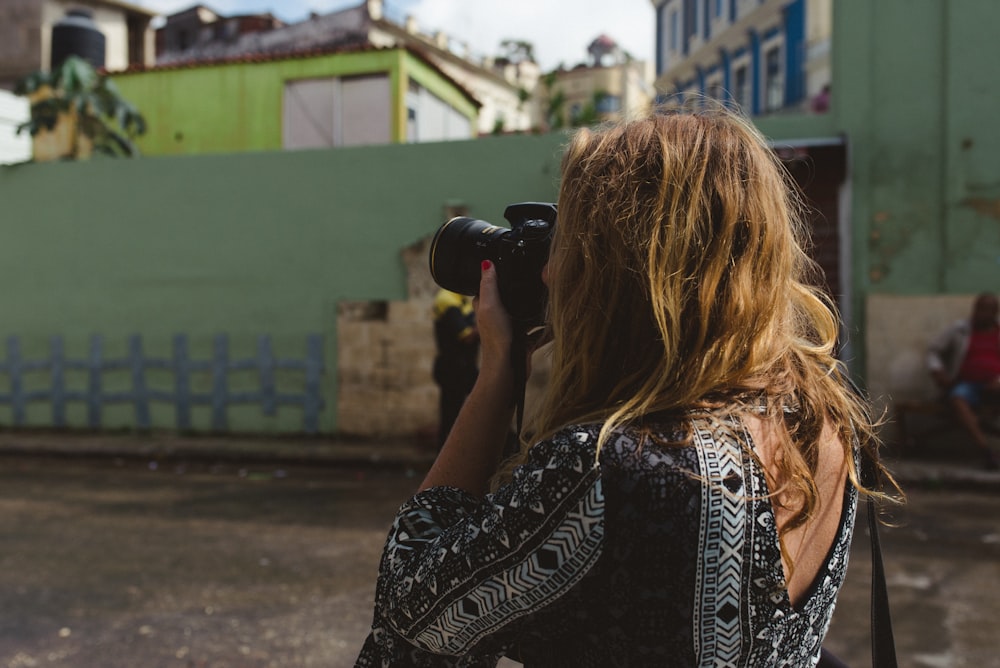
236,107
249,244
269,243
915,91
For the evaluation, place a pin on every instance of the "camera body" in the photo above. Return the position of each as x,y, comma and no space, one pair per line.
519,254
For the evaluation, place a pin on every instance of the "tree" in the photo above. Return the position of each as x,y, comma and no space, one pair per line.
586,115
591,112
89,102
517,51
556,102
555,114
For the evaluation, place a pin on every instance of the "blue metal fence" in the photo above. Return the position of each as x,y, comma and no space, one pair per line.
183,397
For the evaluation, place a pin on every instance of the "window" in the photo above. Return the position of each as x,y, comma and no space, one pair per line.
691,18
609,104
666,37
675,30
741,88
714,88
136,42
412,129
719,8
429,118
774,82
336,111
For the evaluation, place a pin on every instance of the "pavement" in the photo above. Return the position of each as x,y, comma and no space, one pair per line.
943,461
158,550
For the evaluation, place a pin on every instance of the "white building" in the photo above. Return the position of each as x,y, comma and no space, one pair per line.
26,34
13,147
609,86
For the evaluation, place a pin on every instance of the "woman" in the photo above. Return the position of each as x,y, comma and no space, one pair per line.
689,491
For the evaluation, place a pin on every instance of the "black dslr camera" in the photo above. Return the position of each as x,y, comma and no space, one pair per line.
519,254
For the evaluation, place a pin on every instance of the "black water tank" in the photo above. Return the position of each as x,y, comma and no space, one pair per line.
76,34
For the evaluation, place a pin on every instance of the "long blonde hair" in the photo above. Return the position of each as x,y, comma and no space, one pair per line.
678,281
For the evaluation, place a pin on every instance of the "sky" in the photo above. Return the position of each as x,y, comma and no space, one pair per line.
559,31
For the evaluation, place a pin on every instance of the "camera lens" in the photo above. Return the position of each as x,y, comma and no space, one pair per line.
457,252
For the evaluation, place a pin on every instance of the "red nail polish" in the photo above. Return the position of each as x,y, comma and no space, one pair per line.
487,264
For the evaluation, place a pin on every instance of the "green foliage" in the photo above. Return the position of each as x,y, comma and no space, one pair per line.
110,121
586,116
555,115
516,51
589,114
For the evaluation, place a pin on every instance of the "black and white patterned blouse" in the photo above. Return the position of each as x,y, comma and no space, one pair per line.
651,556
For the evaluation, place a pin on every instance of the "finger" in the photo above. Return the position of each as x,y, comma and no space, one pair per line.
488,272
488,282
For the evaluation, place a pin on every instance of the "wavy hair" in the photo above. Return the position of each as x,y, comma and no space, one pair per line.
678,282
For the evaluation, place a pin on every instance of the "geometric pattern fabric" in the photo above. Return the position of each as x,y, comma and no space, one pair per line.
661,552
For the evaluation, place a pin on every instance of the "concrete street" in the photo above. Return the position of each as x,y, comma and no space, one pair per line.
172,560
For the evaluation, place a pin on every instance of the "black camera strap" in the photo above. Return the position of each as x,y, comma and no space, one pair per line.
519,364
883,644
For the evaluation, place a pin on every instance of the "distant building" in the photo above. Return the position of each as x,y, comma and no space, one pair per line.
502,87
766,56
199,25
352,96
608,86
26,34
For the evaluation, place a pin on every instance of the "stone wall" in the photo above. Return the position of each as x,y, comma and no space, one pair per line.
385,352
385,387
898,331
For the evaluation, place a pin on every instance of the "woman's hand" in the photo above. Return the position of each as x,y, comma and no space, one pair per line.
493,323
475,444
474,447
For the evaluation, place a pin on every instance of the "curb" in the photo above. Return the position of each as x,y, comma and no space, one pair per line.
954,474
963,476
164,449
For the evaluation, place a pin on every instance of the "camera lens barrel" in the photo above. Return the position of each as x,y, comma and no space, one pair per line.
519,254
458,250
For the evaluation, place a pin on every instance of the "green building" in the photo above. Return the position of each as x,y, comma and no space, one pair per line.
340,98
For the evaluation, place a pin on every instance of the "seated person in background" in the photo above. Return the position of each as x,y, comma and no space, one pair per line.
964,361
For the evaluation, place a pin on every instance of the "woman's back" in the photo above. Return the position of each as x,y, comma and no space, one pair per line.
661,555
688,524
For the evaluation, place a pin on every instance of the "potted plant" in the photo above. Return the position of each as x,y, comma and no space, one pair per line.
75,111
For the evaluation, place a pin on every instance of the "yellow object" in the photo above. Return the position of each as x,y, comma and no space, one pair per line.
446,299
62,141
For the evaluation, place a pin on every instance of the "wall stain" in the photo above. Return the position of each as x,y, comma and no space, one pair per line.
980,187
984,206
886,241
